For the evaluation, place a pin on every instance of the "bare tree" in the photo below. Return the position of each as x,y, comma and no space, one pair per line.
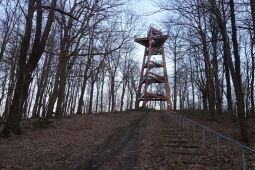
26,65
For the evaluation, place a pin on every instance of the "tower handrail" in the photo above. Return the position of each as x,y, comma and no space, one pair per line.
243,147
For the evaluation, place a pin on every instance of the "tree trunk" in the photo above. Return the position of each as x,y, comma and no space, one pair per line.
238,81
10,88
112,93
26,67
215,69
91,96
229,91
252,37
102,92
42,85
209,80
61,93
175,79
252,79
235,71
122,95
97,96
204,99
131,100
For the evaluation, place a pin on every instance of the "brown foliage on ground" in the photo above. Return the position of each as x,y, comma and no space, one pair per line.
61,143
128,140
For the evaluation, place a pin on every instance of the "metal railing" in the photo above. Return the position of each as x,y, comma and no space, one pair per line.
247,154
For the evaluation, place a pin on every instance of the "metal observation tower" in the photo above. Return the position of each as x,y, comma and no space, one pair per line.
154,84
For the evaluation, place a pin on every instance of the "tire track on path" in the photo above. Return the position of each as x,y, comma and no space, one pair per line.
119,151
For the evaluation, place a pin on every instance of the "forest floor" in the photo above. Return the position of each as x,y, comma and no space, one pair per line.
128,140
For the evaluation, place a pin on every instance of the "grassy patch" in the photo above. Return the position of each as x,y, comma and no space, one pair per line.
204,114
143,109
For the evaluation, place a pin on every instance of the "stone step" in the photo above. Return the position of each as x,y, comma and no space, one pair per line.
169,131
186,153
165,127
168,124
174,136
166,121
178,141
192,162
182,146
170,134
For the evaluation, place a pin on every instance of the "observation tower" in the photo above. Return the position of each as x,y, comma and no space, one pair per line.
154,84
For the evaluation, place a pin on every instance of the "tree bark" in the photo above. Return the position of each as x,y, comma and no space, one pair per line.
252,78
91,94
238,81
252,4
102,92
175,79
235,71
26,67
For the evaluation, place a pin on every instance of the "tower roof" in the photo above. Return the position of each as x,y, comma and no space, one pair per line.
153,34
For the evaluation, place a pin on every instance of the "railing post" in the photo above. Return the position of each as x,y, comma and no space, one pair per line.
243,162
194,131
203,134
217,148
188,123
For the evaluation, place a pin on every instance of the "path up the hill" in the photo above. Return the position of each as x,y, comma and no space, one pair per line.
128,140
152,141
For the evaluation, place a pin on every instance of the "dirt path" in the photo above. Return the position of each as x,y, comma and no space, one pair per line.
150,141
119,151
71,143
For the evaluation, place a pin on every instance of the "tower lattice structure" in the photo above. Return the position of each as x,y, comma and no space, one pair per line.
150,76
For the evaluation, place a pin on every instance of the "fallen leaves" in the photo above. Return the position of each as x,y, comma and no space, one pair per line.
58,146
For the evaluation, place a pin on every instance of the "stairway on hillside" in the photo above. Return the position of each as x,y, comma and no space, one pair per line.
184,147
181,150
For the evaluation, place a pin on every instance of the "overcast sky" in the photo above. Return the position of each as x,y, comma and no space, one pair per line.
146,9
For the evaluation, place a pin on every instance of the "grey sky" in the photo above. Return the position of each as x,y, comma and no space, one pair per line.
146,9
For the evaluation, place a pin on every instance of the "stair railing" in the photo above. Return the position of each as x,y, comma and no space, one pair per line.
244,150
